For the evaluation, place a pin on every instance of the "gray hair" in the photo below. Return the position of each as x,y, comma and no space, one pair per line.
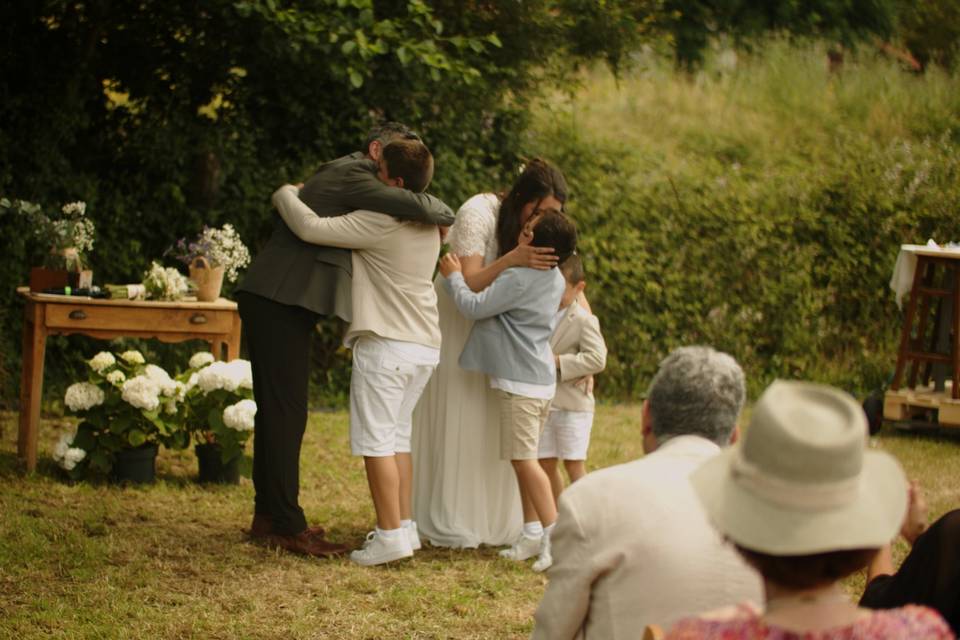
697,391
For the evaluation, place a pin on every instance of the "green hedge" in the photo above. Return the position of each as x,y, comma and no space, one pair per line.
759,209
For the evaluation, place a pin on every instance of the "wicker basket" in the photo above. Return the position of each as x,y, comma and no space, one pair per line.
209,280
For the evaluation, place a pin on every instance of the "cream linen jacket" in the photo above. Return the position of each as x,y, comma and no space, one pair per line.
393,263
632,546
579,345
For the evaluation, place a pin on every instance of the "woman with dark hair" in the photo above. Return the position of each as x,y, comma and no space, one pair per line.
806,505
463,494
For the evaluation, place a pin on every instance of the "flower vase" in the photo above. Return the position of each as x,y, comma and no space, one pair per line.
137,465
209,279
212,468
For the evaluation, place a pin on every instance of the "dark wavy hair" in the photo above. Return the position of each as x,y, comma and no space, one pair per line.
539,180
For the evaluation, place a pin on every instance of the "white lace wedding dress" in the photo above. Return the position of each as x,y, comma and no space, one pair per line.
463,494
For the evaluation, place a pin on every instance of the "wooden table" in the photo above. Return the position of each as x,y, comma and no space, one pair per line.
934,276
216,322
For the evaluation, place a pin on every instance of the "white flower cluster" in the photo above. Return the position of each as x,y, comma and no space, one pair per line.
102,361
65,455
72,231
132,357
201,359
164,283
240,416
116,378
225,249
141,392
231,376
162,379
74,209
81,396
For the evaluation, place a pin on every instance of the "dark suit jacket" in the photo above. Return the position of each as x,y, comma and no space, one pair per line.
291,271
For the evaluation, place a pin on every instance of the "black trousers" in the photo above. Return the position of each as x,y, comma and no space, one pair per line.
278,343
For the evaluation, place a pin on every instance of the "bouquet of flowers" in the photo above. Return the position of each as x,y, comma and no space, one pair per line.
164,283
125,403
220,247
218,406
69,235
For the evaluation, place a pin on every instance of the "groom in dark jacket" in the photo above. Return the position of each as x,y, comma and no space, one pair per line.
290,284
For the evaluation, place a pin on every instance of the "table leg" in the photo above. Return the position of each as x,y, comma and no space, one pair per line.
233,343
216,348
908,323
31,383
955,392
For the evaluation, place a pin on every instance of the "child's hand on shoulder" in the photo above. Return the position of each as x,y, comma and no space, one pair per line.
448,264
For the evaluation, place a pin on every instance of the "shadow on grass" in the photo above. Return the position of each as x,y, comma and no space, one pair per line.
174,472
926,431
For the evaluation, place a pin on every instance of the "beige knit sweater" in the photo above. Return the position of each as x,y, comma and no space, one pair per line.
393,265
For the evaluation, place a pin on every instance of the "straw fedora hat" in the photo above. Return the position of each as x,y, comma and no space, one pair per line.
800,481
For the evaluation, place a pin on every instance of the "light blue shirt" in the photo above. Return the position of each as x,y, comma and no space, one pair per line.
514,320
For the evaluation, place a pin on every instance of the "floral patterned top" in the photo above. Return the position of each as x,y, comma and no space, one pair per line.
474,233
911,621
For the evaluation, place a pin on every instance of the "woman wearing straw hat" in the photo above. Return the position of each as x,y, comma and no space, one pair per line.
806,505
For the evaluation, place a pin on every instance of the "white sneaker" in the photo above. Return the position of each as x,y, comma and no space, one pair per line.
523,549
378,550
545,560
414,536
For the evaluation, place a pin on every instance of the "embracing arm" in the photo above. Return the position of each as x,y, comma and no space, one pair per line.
479,277
361,189
348,232
502,295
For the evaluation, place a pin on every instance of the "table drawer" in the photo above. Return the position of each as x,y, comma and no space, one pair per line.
159,320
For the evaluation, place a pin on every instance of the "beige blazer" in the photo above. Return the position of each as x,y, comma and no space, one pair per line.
393,263
632,546
579,344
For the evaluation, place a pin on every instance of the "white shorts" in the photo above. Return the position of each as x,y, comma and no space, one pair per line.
566,435
384,388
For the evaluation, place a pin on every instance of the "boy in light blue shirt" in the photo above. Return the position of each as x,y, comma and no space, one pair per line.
510,342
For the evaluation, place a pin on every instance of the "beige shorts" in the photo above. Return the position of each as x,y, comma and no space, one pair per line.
521,422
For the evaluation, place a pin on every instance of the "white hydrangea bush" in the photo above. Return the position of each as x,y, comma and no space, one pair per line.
218,404
126,402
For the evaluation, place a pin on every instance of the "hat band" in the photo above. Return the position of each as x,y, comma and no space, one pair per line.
786,493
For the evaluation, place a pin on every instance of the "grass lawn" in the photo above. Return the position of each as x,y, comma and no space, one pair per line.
169,561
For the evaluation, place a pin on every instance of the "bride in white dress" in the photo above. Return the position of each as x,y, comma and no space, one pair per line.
463,494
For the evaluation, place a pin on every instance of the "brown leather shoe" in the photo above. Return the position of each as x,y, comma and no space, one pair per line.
262,527
307,544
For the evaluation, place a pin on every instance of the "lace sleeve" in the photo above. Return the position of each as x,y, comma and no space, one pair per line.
475,225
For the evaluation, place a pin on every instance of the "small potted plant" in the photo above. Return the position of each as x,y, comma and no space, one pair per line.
211,256
127,408
219,410
68,237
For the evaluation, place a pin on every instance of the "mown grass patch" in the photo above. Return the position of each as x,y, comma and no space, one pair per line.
170,561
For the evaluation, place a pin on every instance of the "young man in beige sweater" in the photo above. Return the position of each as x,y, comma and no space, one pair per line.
394,334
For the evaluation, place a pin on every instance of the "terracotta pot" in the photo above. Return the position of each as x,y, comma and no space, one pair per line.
209,279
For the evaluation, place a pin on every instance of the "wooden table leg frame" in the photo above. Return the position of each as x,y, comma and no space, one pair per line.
218,323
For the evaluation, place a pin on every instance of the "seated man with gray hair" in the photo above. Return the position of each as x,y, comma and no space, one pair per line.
632,545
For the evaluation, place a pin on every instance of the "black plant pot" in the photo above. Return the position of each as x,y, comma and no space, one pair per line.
212,467
136,465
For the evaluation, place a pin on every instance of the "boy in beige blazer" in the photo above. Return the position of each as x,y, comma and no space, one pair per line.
579,351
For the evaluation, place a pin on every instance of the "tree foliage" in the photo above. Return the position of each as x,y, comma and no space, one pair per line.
165,116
